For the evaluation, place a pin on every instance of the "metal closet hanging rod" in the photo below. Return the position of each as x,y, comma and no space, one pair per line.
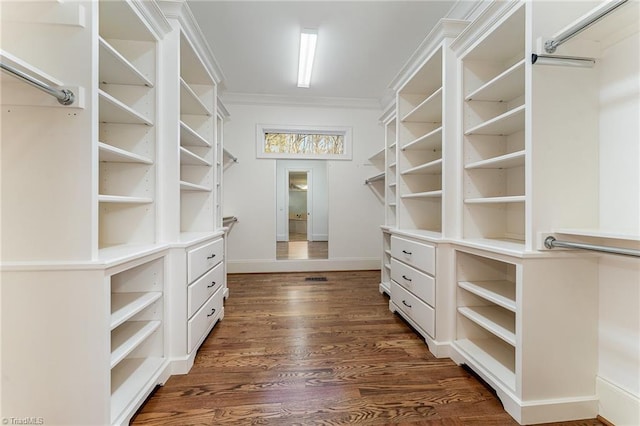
64,96
551,45
374,178
550,242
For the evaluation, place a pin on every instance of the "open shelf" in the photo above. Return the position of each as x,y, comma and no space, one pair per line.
514,159
121,199
189,158
502,125
190,102
496,200
503,88
128,336
116,69
189,137
500,292
120,20
109,153
429,111
377,157
127,378
112,110
431,140
192,187
494,319
126,305
498,360
432,167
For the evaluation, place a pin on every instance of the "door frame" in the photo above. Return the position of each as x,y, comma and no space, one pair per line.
309,173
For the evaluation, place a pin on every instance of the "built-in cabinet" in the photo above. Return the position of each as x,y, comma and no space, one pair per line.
117,251
496,148
413,283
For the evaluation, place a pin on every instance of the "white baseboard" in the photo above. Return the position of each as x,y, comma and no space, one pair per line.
320,237
183,364
282,238
312,265
617,405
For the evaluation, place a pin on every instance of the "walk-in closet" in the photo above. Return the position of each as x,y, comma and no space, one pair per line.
433,214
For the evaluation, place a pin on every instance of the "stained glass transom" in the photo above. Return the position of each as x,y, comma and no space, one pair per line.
303,143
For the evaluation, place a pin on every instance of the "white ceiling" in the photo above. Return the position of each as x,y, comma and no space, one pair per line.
362,45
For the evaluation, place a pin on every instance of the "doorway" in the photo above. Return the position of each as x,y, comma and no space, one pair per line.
300,200
302,211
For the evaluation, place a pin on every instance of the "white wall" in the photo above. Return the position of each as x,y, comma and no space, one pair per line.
618,382
355,213
319,192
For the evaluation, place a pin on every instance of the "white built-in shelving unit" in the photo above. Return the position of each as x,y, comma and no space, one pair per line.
130,165
391,176
494,153
128,141
137,337
127,68
422,167
532,157
198,154
493,78
486,313
420,116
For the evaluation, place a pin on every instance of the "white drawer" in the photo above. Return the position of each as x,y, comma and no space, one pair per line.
204,287
417,282
421,313
204,319
420,255
203,258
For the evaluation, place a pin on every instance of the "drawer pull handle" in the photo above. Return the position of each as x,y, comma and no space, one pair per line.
212,256
408,279
212,284
213,311
407,252
406,304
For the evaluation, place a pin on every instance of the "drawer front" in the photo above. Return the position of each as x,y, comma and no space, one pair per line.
421,313
417,282
201,259
419,255
204,287
203,319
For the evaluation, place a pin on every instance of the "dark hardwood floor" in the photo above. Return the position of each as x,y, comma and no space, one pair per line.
296,352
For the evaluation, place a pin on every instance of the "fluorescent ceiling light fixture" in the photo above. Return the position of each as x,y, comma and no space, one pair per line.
308,38
569,61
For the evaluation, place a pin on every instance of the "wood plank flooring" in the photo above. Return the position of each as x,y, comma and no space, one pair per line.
302,250
296,352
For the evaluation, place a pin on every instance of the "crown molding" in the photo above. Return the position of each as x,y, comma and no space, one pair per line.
222,110
466,10
445,28
283,100
152,14
491,13
180,11
389,112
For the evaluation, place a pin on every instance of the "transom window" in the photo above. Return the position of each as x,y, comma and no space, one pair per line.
304,142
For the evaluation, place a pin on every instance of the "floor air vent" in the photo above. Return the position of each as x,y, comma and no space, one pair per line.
315,279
